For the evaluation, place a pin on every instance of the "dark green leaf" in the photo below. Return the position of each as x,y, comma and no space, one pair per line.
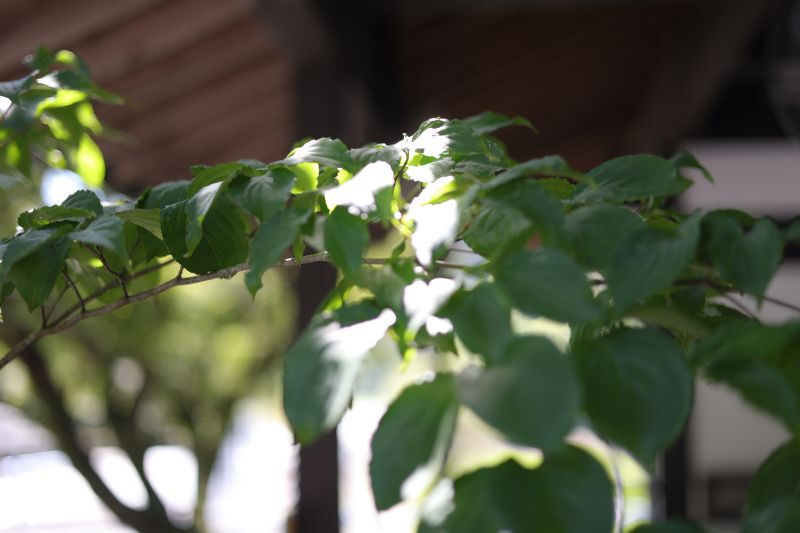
224,242
792,233
321,367
26,244
532,397
597,230
106,232
773,500
490,122
648,260
684,159
539,207
569,493
12,89
149,219
762,386
632,177
748,261
346,240
744,339
273,237
482,320
412,440
164,194
325,151
670,526
84,200
637,388
35,274
497,228
551,165
547,282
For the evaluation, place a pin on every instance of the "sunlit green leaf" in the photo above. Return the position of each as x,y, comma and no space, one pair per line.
320,369
42,216
324,151
89,162
346,239
411,443
266,194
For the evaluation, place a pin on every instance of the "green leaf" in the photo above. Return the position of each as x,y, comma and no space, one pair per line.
148,219
321,367
435,225
325,151
42,216
164,194
106,232
792,233
684,159
84,200
197,207
490,122
222,173
632,177
273,237
362,192
430,172
748,261
497,228
25,244
89,162
35,274
744,339
12,89
538,206
649,260
569,493
224,241
596,232
762,386
637,389
391,154
532,397
551,165
266,194
412,440
547,282
346,240
669,526
481,318
773,499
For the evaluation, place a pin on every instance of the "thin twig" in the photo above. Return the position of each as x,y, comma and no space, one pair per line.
782,303
75,290
68,319
739,305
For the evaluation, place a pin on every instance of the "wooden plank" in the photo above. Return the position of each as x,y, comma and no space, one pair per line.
157,33
148,88
172,160
60,24
203,106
